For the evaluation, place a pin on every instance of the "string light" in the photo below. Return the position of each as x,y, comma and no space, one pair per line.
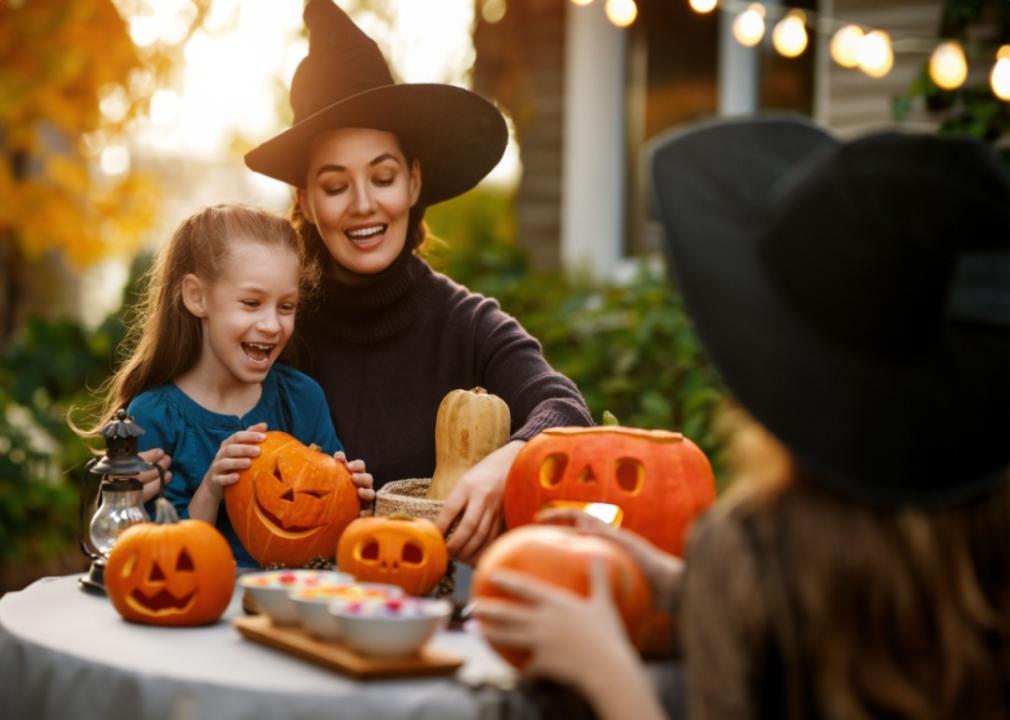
493,11
845,46
622,12
582,2
999,78
876,58
749,26
947,65
703,6
790,34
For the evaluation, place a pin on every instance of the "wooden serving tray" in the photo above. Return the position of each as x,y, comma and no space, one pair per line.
336,656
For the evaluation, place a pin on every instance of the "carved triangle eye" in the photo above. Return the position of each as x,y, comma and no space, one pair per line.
184,563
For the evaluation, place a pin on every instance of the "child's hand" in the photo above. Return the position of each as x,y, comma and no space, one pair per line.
362,480
152,484
233,456
568,636
664,571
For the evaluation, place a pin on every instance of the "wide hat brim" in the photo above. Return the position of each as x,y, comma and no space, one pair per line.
926,429
457,135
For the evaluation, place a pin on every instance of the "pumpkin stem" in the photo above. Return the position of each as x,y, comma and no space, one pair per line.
609,418
315,447
164,512
479,390
400,516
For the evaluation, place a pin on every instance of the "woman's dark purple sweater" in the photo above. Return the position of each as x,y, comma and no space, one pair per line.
387,352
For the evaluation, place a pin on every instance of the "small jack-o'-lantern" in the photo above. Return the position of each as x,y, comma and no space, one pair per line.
651,481
292,503
562,556
404,551
170,572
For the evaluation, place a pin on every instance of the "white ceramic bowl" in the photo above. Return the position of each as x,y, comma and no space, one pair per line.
312,604
270,589
372,628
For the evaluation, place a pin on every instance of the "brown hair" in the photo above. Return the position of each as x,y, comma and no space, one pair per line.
163,338
895,612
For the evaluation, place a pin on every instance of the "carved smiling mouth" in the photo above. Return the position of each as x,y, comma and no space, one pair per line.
607,512
161,603
273,523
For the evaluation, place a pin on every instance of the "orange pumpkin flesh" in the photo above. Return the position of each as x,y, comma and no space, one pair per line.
658,481
292,503
561,555
177,573
408,552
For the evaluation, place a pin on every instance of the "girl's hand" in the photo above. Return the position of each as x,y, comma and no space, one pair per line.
573,639
150,478
479,497
362,480
665,572
234,455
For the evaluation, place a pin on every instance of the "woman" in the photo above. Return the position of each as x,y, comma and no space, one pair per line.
856,299
389,337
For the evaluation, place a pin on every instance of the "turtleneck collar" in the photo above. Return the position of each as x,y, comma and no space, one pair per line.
366,309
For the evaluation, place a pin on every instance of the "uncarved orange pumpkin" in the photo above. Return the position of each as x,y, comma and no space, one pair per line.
562,556
659,480
292,503
170,572
408,552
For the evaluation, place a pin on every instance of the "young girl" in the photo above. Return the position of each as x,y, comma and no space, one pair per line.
201,378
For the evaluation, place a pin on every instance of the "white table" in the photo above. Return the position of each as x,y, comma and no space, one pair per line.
68,654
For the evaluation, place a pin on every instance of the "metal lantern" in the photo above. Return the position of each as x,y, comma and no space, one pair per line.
120,501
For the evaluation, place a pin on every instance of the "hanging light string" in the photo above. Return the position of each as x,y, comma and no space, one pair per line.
853,45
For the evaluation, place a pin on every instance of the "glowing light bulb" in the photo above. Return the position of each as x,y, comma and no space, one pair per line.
621,12
703,6
876,58
790,34
582,2
749,26
845,46
999,78
493,11
947,65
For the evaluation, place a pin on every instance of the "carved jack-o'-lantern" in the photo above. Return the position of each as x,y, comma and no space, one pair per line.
292,503
562,556
651,481
170,572
404,551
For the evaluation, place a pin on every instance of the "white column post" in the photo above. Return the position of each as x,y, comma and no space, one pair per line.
592,194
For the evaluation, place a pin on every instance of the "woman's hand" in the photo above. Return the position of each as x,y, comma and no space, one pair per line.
665,572
479,497
150,478
362,481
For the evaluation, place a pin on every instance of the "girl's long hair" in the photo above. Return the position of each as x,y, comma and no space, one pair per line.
897,612
163,338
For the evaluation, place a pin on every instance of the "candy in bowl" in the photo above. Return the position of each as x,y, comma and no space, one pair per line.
270,590
395,627
312,604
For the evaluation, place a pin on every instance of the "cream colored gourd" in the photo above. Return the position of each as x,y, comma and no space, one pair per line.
470,425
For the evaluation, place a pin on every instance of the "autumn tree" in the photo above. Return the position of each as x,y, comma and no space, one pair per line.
72,81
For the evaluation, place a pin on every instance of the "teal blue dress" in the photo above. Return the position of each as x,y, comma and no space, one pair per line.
191,434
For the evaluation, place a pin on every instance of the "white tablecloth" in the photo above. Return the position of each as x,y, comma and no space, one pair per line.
68,654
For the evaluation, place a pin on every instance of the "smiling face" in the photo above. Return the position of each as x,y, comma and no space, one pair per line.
358,193
247,312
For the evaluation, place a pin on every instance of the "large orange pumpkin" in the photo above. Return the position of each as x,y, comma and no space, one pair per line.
562,555
170,572
656,481
404,551
292,503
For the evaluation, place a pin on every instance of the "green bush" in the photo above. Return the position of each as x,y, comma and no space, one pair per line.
630,348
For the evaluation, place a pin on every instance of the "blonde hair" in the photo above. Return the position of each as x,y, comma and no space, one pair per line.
897,612
164,339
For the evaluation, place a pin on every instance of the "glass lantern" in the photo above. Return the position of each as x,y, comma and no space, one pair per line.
120,500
